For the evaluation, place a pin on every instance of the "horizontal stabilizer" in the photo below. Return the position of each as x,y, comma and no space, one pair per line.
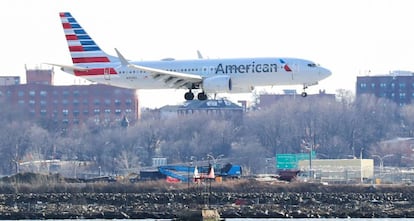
69,67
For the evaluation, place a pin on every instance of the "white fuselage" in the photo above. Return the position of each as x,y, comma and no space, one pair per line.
245,73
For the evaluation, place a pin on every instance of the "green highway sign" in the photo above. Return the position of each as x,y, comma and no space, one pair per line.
290,161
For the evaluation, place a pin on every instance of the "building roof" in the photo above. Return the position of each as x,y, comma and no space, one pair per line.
210,104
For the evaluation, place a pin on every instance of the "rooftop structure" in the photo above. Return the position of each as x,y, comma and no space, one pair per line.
39,76
267,100
9,80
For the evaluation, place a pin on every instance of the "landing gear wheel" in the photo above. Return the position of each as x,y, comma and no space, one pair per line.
189,96
201,96
304,94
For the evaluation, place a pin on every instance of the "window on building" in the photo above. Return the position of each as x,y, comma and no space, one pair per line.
85,112
96,101
32,102
363,85
65,112
43,93
383,85
117,102
43,102
43,112
75,102
372,85
21,102
75,112
128,102
118,111
402,85
96,111
32,93
107,102
107,111
65,93
20,93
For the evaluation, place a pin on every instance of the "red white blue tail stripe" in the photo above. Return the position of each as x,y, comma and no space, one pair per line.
83,50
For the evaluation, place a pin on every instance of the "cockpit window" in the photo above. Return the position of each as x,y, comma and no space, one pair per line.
312,65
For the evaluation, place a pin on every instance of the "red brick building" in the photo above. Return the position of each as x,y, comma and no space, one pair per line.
397,86
71,104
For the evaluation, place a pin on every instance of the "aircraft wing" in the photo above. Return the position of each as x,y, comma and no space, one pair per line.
171,78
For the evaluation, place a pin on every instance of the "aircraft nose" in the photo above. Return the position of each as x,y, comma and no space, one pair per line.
325,73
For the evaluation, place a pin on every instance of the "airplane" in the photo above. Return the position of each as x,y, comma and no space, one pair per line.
208,76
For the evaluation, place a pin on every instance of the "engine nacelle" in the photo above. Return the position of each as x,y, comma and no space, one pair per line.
217,84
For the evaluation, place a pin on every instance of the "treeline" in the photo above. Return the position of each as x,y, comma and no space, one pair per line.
335,129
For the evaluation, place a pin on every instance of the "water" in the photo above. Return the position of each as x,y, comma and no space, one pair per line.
326,219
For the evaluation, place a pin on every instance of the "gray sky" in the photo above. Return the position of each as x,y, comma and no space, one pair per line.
350,37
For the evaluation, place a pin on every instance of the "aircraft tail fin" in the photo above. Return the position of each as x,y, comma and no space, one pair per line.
83,50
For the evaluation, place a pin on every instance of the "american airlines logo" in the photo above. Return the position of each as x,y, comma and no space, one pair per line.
245,68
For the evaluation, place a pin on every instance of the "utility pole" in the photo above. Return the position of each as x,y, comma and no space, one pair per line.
360,156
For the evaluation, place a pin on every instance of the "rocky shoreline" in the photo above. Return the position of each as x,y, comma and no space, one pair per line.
51,197
229,205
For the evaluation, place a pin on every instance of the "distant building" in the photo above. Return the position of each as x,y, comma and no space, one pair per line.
398,86
221,107
71,104
267,100
339,170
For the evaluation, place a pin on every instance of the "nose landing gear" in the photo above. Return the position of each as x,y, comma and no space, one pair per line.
304,94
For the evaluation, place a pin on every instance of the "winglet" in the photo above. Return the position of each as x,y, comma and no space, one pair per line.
199,55
124,62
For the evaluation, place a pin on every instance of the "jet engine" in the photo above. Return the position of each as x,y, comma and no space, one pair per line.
217,84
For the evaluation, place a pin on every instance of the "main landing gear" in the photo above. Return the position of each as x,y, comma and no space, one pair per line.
190,96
